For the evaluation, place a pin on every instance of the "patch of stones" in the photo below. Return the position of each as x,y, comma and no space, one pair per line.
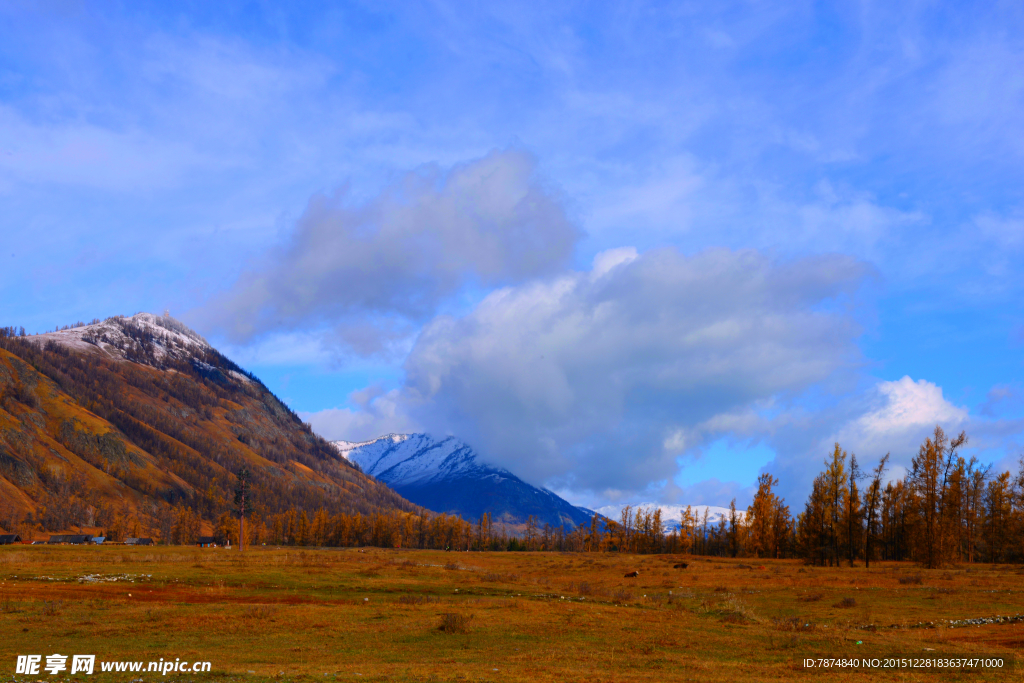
96,578
87,578
952,623
998,619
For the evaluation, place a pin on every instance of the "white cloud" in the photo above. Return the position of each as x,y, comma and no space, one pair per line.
909,405
892,417
1005,232
584,378
286,348
77,153
376,413
902,414
607,260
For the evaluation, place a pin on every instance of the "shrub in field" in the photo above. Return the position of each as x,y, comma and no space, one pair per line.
792,624
417,599
811,597
259,612
914,579
846,602
452,566
453,622
735,610
582,588
52,608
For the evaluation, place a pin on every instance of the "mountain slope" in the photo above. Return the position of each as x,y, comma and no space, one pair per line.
446,475
131,420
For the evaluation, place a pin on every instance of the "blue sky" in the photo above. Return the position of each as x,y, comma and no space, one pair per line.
629,252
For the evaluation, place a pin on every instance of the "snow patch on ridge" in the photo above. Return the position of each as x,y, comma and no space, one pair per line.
404,459
170,336
447,475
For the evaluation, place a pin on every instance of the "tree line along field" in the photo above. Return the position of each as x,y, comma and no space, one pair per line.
409,615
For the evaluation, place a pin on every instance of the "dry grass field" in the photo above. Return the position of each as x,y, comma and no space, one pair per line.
373,615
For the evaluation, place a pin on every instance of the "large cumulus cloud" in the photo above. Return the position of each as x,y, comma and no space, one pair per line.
385,264
587,380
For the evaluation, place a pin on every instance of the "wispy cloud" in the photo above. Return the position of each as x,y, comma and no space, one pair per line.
487,223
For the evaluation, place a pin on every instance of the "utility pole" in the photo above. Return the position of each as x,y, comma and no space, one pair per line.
241,496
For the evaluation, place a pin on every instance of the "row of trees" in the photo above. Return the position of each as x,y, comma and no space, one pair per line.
181,525
947,508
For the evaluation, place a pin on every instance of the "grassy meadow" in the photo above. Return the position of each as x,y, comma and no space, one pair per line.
408,615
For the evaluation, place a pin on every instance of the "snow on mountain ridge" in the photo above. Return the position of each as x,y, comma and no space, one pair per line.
114,336
345,447
405,459
446,475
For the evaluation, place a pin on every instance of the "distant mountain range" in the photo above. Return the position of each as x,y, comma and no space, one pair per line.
672,515
446,475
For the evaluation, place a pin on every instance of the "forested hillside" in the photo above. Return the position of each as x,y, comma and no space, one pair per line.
136,426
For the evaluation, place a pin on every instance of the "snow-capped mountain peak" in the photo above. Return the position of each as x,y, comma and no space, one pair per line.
446,475
142,334
407,459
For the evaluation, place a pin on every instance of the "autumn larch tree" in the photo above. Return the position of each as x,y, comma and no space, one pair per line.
853,510
835,481
929,480
761,516
734,529
872,500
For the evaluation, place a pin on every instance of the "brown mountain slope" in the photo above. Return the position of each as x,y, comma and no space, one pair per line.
129,422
